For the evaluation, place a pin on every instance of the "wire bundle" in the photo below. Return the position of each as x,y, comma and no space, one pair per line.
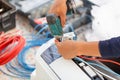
82,58
19,67
36,40
10,46
21,56
100,59
91,64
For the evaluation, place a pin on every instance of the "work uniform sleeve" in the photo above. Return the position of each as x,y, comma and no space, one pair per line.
110,48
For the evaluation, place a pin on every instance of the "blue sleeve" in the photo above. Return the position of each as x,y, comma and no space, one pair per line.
110,48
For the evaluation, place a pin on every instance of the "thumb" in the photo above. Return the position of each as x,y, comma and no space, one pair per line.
58,44
63,19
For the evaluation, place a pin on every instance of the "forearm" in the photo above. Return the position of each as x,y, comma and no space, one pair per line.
107,48
89,49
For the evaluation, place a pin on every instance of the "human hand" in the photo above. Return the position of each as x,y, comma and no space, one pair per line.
59,8
69,48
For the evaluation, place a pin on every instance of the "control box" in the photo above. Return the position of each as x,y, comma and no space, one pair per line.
7,16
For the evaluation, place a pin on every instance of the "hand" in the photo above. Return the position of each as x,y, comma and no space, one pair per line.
69,48
59,8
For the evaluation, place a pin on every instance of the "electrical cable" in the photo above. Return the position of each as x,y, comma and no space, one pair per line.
44,28
11,75
14,71
41,30
13,41
102,60
31,43
81,60
20,67
21,56
36,27
10,47
106,69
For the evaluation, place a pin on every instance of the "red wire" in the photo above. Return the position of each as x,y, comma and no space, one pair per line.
10,46
102,60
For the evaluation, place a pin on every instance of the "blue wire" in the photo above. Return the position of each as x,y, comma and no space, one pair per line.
33,34
41,30
107,69
13,71
11,75
21,56
36,27
23,69
72,29
31,43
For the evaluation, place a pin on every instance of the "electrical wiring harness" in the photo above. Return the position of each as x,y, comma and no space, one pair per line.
92,64
100,59
10,46
84,58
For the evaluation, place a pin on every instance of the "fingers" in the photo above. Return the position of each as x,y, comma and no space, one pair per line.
63,16
60,10
61,49
58,44
67,48
63,20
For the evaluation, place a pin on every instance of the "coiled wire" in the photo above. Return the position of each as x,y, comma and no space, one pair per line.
19,67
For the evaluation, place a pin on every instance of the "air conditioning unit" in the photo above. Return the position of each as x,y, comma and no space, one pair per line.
50,65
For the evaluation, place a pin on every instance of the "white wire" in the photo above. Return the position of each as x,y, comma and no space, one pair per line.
95,69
